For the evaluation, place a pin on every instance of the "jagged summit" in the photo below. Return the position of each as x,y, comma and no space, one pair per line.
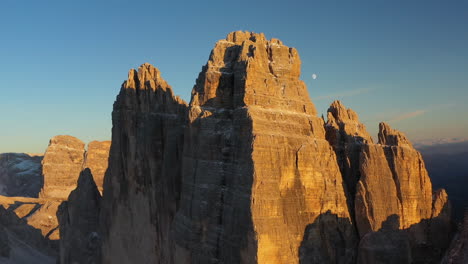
343,125
146,77
247,173
339,112
246,69
392,137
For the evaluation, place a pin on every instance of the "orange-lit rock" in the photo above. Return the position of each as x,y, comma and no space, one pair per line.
258,173
62,163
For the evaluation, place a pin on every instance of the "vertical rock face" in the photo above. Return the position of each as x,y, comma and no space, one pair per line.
96,159
62,163
393,199
20,174
347,136
142,183
65,158
79,223
393,169
247,173
257,168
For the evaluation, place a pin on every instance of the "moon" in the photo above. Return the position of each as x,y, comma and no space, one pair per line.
314,76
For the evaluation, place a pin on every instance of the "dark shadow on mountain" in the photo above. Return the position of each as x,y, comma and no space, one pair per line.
388,245
329,239
20,174
28,235
421,243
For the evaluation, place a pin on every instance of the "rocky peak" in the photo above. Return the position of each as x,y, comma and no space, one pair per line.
339,112
247,69
79,222
392,137
147,76
343,125
249,110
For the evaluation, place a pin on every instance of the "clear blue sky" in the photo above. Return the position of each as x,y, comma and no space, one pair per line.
62,62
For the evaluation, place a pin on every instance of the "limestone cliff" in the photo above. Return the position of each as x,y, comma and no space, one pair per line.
96,159
347,136
392,185
247,173
63,161
257,170
79,223
142,184
31,223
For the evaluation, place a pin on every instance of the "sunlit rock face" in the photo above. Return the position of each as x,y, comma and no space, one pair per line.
347,135
392,189
257,170
63,161
96,159
142,183
247,173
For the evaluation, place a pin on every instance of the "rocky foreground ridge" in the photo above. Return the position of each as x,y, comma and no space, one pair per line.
29,228
247,173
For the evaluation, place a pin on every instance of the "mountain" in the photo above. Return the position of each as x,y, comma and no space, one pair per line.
247,173
244,173
29,227
20,174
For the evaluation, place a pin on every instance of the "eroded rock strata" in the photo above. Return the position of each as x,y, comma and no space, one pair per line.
142,184
63,161
31,224
392,185
247,173
257,169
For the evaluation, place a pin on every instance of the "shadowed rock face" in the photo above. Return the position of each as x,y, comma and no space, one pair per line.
142,183
347,136
32,223
22,239
458,251
20,174
79,223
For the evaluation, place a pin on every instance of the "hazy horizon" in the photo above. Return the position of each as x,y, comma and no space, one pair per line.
63,63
